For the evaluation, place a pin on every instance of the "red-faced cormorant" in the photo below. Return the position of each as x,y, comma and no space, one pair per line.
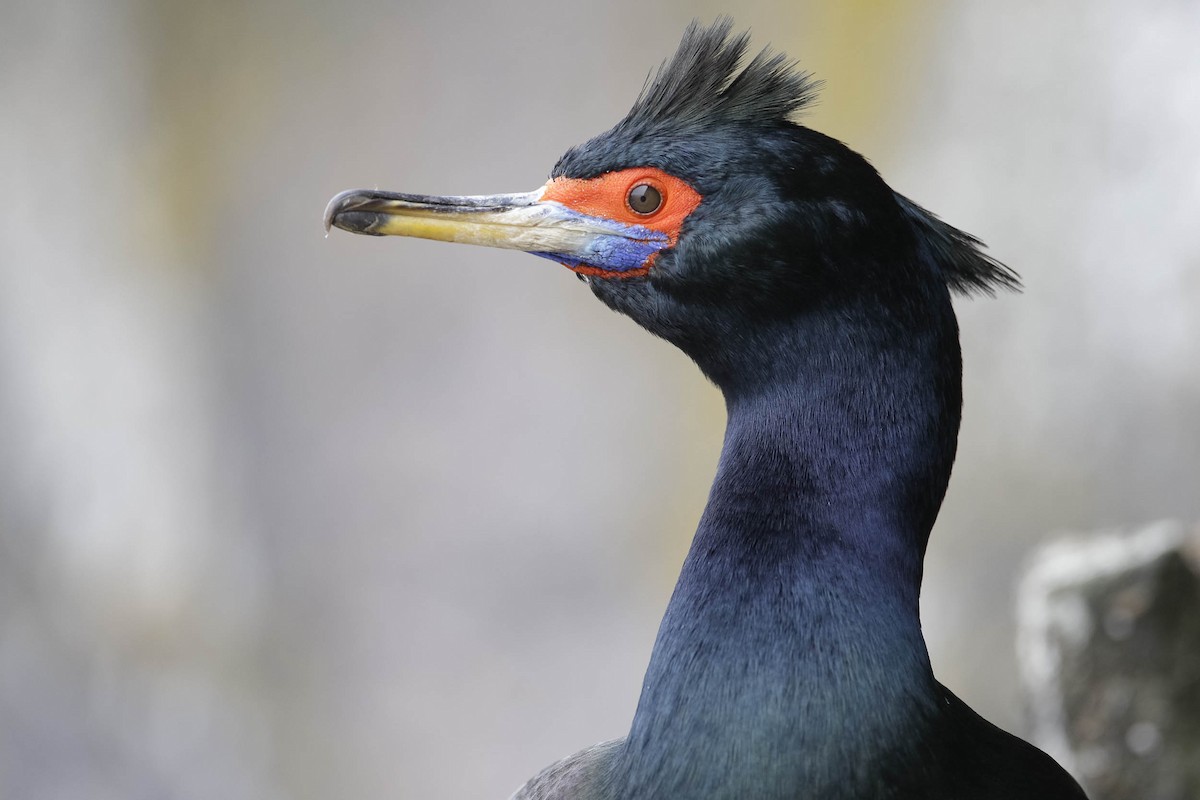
790,662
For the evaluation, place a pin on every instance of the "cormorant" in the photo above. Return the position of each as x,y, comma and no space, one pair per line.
790,662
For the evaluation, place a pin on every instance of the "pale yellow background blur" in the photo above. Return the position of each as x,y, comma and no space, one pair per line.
284,516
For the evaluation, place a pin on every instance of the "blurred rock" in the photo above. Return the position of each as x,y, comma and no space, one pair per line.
1109,646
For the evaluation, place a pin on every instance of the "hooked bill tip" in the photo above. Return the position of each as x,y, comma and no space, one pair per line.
335,205
342,204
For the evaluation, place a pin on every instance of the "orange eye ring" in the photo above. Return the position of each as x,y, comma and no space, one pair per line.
607,196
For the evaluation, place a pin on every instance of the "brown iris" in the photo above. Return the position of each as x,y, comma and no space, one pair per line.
644,199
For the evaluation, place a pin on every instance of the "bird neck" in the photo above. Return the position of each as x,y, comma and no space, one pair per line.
792,644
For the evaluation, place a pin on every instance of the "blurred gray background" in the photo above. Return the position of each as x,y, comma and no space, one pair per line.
291,517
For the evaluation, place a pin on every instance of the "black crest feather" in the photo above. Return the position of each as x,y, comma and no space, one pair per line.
959,255
701,83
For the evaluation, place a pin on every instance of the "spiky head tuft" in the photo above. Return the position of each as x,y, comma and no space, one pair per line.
704,83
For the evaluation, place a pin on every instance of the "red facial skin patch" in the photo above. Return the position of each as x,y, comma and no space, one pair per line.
607,196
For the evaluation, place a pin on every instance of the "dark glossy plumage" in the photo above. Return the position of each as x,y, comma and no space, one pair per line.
790,662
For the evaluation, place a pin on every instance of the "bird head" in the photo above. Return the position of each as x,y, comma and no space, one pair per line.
708,212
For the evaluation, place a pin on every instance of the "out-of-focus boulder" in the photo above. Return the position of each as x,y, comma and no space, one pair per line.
1109,646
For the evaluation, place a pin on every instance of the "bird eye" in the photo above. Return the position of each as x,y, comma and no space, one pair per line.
644,199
